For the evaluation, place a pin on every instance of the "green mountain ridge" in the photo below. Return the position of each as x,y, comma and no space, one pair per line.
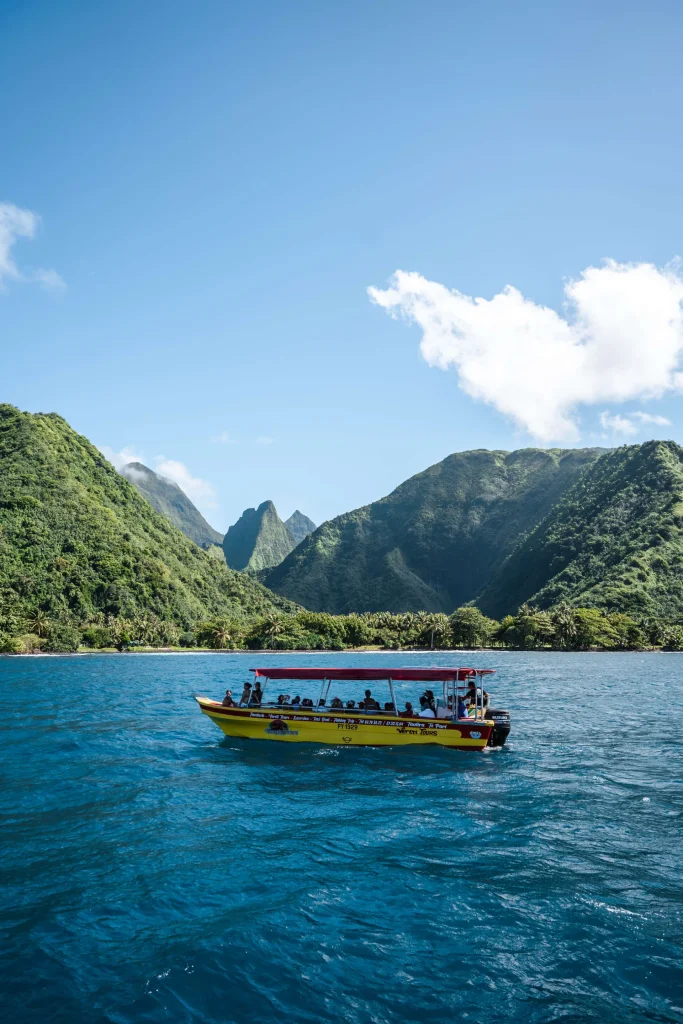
299,526
613,542
258,540
170,500
77,540
437,540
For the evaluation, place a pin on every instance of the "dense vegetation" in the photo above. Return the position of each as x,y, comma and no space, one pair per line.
436,540
614,541
259,539
563,628
80,547
167,498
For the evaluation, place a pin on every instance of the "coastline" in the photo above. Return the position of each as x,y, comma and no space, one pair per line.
88,652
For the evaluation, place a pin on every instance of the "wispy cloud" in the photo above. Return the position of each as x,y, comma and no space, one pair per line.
223,438
15,224
632,423
122,458
201,492
646,417
620,338
264,440
50,280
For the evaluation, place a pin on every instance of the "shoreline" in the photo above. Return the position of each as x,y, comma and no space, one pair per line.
348,650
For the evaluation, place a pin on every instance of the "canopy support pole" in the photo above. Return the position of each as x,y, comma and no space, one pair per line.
393,695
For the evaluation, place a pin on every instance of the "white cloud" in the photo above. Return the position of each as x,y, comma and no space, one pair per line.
223,438
201,492
646,417
122,458
16,223
621,338
617,424
264,440
632,423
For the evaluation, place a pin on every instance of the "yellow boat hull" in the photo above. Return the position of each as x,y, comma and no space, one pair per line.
347,728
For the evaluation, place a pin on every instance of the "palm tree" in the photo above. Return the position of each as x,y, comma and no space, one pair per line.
39,623
273,627
564,621
222,635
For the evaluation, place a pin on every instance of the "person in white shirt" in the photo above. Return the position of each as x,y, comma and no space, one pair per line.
425,710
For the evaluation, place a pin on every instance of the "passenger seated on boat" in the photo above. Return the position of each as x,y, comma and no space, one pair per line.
390,707
429,697
474,695
321,702
256,695
370,704
227,701
408,713
297,700
246,694
283,698
425,710
462,708
307,702
350,704
336,703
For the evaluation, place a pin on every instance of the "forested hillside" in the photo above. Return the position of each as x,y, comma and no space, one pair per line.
299,526
614,541
435,541
78,543
167,498
258,539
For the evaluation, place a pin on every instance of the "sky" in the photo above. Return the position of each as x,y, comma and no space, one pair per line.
303,251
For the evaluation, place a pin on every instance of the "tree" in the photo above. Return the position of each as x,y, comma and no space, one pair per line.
530,629
593,629
628,634
564,622
470,628
39,623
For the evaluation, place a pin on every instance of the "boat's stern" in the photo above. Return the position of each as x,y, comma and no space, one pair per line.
501,726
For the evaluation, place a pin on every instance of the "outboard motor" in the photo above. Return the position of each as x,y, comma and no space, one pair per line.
501,729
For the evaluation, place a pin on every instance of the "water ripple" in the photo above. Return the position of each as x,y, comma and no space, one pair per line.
154,871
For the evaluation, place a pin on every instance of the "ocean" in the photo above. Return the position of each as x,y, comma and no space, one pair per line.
153,870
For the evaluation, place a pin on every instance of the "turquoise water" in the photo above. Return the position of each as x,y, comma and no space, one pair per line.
156,871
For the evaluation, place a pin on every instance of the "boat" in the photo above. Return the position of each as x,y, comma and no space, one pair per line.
289,722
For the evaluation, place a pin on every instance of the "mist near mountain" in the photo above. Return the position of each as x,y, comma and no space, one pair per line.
171,501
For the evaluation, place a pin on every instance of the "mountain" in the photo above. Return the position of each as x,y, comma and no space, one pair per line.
259,539
299,526
167,498
77,539
435,541
613,541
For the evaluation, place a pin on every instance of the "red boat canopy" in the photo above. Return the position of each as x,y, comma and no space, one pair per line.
347,674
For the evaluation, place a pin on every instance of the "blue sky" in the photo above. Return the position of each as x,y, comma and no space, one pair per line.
219,184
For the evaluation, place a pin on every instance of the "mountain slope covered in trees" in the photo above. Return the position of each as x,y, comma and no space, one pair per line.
167,498
435,541
259,539
614,541
299,526
78,541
